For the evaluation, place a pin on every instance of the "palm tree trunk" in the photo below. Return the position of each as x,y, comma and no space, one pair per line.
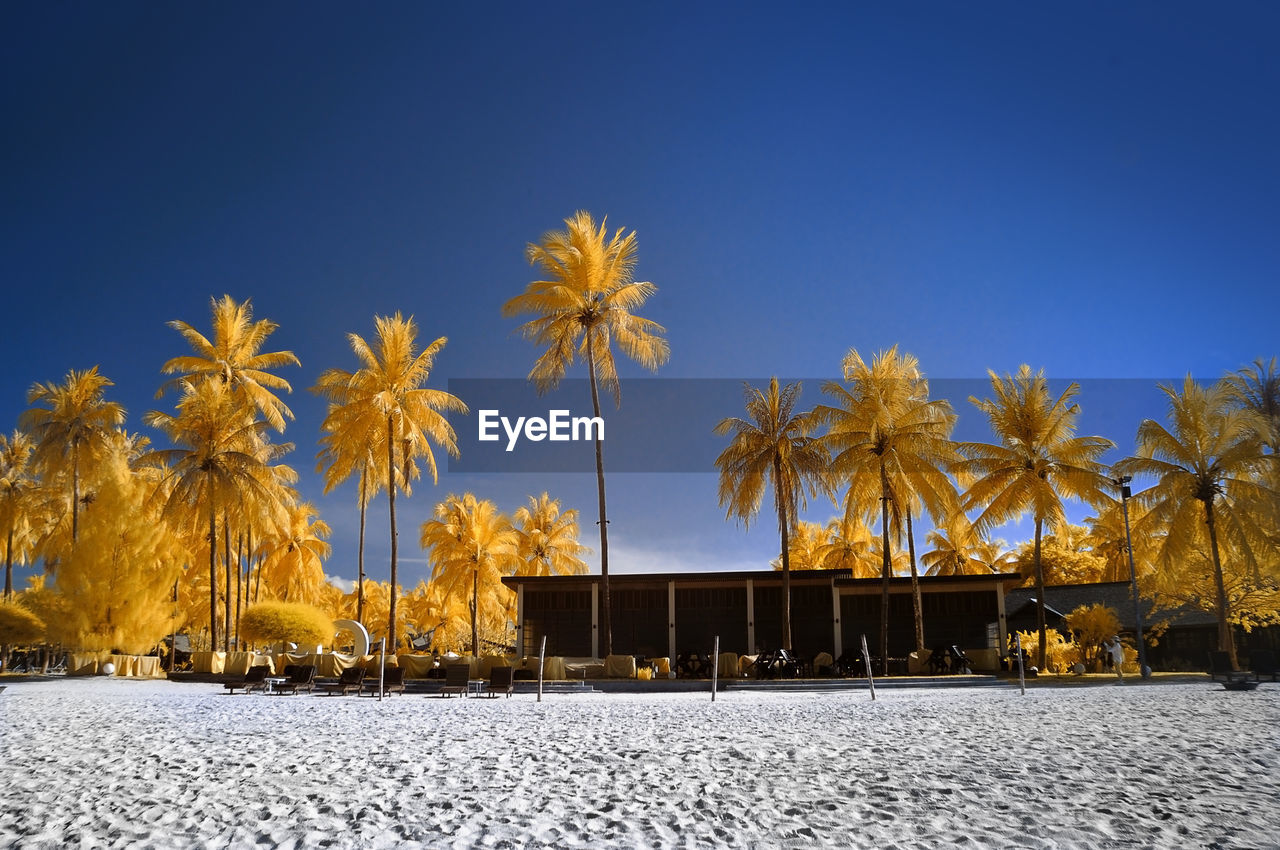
213,568
1040,621
226,568
391,509
364,507
75,490
885,571
1225,640
917,603
239,583
8,567
781,502
475,604
606,624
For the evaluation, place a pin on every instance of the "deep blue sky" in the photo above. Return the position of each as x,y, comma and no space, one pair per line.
1088,188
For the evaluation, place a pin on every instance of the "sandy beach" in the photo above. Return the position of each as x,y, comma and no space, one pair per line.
113,763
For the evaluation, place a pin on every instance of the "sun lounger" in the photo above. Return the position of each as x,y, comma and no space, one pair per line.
254,680
1263,662
1220,669
455,680
303,678
392,682
349,682
500,681
959,661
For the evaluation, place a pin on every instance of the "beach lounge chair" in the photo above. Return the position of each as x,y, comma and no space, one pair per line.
455,680
254,680
392,682
500,681
1263,662
959,661
1220,669
938,660
349,682
303,678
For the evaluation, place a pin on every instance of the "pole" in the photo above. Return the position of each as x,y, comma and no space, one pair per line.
715,667
1143,669
382,666
542,660
866,660
1022,678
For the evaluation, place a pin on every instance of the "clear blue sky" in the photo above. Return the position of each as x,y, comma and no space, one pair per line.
1089,188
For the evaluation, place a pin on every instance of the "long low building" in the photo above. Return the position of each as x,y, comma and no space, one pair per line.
670,614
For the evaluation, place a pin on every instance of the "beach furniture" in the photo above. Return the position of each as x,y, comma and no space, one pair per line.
349,682
959,661
939,661
254,679
392,682
778,664
301,677
1220,671
456,678
500,681
1263,662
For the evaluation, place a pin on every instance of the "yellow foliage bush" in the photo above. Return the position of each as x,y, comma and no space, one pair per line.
18,625
1092,624
279,622
1059,654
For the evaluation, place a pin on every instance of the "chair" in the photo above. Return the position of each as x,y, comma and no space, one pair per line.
938,660
254,680
392,681
351,680
959,661
456,678
303,678
1263,662
1220,669
500,681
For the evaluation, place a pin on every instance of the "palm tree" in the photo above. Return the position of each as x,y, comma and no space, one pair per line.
548,539
586,303
221,461
75,427
18,502
295,556
384,403
774,448
347,456
1257,388
890,442
233,357
807,544
470,539
849,546
1038,462
955,551
1211,473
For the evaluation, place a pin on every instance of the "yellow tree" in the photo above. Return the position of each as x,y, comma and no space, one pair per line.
220,462
586,303
1257,388
21,507
293,566
469,541
72,424
547,539
1037,462
849,545
385,403
806,542
1212,475
954,551
341,456
774,448
890,442
234,357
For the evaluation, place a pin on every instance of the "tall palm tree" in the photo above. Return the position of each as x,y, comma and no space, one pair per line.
1257,388
220,461
385,403
18,502
470,541
1211,470
295,556
1037,463
347,455
587,302
548,539
849,546
889,441
75,426
773,448
955,551
233,357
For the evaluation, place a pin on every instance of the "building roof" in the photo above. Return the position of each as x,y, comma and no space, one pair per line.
842,578
1062,599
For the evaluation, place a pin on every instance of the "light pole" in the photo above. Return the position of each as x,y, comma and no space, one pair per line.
1125,493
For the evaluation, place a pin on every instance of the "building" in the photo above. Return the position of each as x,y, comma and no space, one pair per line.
671,614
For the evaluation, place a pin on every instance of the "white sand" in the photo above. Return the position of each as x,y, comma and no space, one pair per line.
111,763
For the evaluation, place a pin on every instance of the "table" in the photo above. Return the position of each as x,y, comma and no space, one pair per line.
475,687
273,682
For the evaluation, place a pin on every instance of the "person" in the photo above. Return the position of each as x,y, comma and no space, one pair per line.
1116,652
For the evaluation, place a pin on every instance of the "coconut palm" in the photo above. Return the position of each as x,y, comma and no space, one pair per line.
1257,388
548,539
341,457
384,403
807,542
469,541
293,566
1037,463
220,463
233,357
19,503
1211,474
73,428
890,442
955,551
587,303
850,546
773,448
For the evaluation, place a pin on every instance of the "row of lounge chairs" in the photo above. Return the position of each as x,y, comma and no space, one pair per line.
357,680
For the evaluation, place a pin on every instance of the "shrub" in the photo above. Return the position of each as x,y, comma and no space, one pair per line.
279,622
1060,654
1092,624
18,625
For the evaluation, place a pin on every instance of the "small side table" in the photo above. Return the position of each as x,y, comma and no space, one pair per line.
475,687
273,682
